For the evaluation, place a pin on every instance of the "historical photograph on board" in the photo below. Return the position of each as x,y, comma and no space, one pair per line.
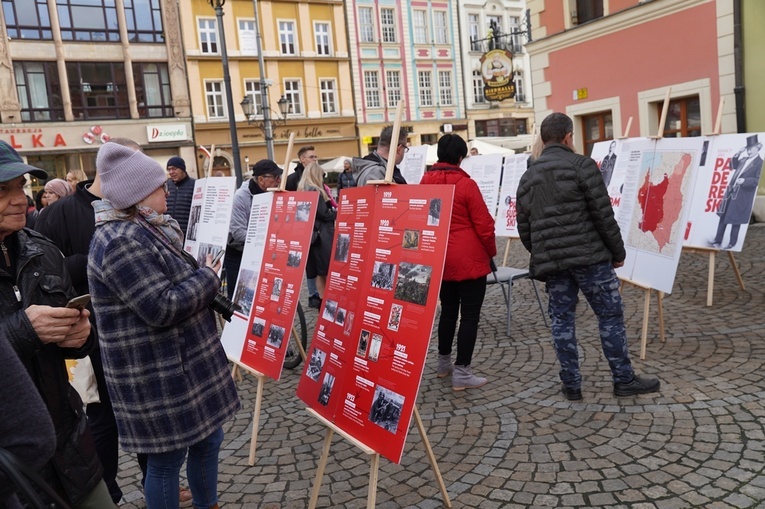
326,389
383,274
330,309
275,336
244,294
411,239
413,283
258,326
340,316
194,217
341,250
395,316
386,409
361,350
303,212
434,212
204,249
315,364
276,289
348,325
293,258
374,348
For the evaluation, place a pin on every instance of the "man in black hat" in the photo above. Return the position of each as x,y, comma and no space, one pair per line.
265,174
181,188
43,332
737,202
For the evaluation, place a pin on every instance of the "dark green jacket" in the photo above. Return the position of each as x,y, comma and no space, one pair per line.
565,218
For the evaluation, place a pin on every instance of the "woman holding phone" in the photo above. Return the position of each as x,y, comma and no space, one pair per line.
165,368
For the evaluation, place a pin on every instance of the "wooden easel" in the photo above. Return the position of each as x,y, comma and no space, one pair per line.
711,252
646,310
374,459
236,370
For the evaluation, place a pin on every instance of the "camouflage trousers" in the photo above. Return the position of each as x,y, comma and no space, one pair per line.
600,287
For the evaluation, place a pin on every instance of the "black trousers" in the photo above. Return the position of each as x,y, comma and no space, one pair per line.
464,299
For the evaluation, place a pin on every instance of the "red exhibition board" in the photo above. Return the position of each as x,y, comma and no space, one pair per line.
269,280
368,352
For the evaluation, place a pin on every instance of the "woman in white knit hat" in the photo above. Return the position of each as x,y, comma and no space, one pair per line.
165,367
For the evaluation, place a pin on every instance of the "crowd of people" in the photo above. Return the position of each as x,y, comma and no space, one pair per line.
164,390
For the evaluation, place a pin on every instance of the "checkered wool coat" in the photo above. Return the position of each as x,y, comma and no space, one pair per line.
165,368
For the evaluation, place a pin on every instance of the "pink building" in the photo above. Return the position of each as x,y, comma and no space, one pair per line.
604,62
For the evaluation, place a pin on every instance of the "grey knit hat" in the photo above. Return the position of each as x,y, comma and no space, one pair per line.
127,176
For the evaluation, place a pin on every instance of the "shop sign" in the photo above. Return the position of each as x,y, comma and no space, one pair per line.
22,138
171,132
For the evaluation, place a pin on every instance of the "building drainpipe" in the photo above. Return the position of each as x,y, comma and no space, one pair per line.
739,89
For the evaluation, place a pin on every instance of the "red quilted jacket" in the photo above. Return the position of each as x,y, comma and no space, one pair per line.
471,235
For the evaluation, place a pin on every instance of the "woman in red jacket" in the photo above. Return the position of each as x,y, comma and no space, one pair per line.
471,246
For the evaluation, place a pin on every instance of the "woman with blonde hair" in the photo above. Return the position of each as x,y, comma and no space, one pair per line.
56,189
75,176
323,227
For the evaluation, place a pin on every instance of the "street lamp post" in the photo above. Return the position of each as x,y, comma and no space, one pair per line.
269,120
218,6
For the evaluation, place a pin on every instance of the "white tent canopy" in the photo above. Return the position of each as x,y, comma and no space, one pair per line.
335,164
520,143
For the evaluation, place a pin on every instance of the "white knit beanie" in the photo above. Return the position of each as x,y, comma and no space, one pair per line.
127,176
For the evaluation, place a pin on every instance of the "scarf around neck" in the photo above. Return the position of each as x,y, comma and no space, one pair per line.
162,224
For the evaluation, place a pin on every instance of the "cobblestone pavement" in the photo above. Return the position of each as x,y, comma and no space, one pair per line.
517,443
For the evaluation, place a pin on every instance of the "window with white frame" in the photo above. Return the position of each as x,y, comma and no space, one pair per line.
248,43
425,84
478,96
516,40
420,27
366,25
440,33
321,32
252,90
520,96
474,29
287,37
328,95
214,96
372,89
388,25
294,97
393,82
445,88
208,36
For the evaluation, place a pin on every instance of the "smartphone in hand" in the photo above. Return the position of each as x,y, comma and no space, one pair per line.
218,257
79,302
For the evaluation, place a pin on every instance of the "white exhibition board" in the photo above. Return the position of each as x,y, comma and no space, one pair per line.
505,222
726,187
209,216
486,171
654,206
413,165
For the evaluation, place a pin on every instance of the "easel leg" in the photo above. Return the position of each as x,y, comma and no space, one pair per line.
374,469
660,304
507,253
644,336
299,344
256,419
711,278
236,374
735,269
320,470
431,457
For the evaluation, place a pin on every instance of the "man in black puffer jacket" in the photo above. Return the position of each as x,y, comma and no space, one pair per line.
181,188
566,222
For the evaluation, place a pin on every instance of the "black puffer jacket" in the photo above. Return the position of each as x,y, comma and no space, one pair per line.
179,201
42,279
565,218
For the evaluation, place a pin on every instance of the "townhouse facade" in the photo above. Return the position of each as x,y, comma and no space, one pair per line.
74,74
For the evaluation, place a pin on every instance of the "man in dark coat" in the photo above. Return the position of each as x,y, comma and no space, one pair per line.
181,188
34,289
566,222
737,202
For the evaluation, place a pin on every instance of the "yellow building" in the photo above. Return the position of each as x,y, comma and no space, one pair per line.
306,63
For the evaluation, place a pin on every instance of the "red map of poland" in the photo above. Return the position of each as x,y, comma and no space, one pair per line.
661,203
